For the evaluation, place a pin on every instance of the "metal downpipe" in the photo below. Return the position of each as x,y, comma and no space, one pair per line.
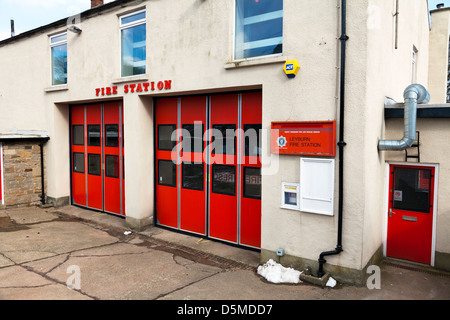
41,146
414,94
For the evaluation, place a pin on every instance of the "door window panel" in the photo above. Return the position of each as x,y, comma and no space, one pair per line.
165,133
167,175
193,137
252,139
94,135
111,135
224,179
78,162
112,166
94,164
224,139
193,176
78,135
412,189
252,182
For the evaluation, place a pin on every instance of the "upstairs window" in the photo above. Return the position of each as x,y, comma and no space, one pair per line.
58,44
133,35
259,28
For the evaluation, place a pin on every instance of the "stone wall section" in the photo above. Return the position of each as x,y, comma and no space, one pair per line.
22,174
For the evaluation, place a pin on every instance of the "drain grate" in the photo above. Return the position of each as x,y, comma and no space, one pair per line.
161,245
196,255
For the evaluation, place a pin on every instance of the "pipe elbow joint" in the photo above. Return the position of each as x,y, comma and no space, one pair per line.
417,92
395,145
414,94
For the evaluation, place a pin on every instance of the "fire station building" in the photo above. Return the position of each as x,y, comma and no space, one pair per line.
315,132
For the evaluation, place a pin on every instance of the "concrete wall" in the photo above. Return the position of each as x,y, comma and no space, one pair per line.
389,72
434,133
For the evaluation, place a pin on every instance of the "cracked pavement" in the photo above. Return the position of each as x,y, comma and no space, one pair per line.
73,254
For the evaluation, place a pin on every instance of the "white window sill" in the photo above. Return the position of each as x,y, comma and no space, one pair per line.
141,77
254,62
61,87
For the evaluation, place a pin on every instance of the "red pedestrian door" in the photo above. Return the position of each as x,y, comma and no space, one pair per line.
410,213
208,166
97,157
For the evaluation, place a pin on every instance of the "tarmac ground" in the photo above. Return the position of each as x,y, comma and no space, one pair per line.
69,253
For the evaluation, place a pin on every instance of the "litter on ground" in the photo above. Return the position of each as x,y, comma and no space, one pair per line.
331,282
276,273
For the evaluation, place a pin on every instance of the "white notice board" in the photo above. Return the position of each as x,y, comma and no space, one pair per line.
317,180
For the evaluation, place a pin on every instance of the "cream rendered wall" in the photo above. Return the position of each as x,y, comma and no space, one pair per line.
439,40
191,43
434,133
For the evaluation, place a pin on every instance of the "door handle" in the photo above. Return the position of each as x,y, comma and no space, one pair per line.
412,219
391,212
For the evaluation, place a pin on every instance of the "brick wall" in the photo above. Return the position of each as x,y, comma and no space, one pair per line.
21,174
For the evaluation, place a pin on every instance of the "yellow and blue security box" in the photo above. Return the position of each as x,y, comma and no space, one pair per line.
291,68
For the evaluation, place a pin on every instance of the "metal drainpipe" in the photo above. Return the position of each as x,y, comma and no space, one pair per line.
414,95
41,145
341,142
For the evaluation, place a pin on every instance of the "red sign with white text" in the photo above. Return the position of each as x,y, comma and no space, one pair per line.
304,138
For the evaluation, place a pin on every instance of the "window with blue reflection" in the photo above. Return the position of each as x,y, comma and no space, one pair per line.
259,28
58,44
133,34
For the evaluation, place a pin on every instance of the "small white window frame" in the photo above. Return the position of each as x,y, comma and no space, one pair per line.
124,26
134,23
314,198
52,45
291,188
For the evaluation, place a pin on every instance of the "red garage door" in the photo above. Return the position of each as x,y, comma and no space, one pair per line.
208,166
97,157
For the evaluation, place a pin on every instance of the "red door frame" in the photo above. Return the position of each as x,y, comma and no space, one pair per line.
250,211
223,213
193,112
94,154
410,233
166,191
228,216
97,175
